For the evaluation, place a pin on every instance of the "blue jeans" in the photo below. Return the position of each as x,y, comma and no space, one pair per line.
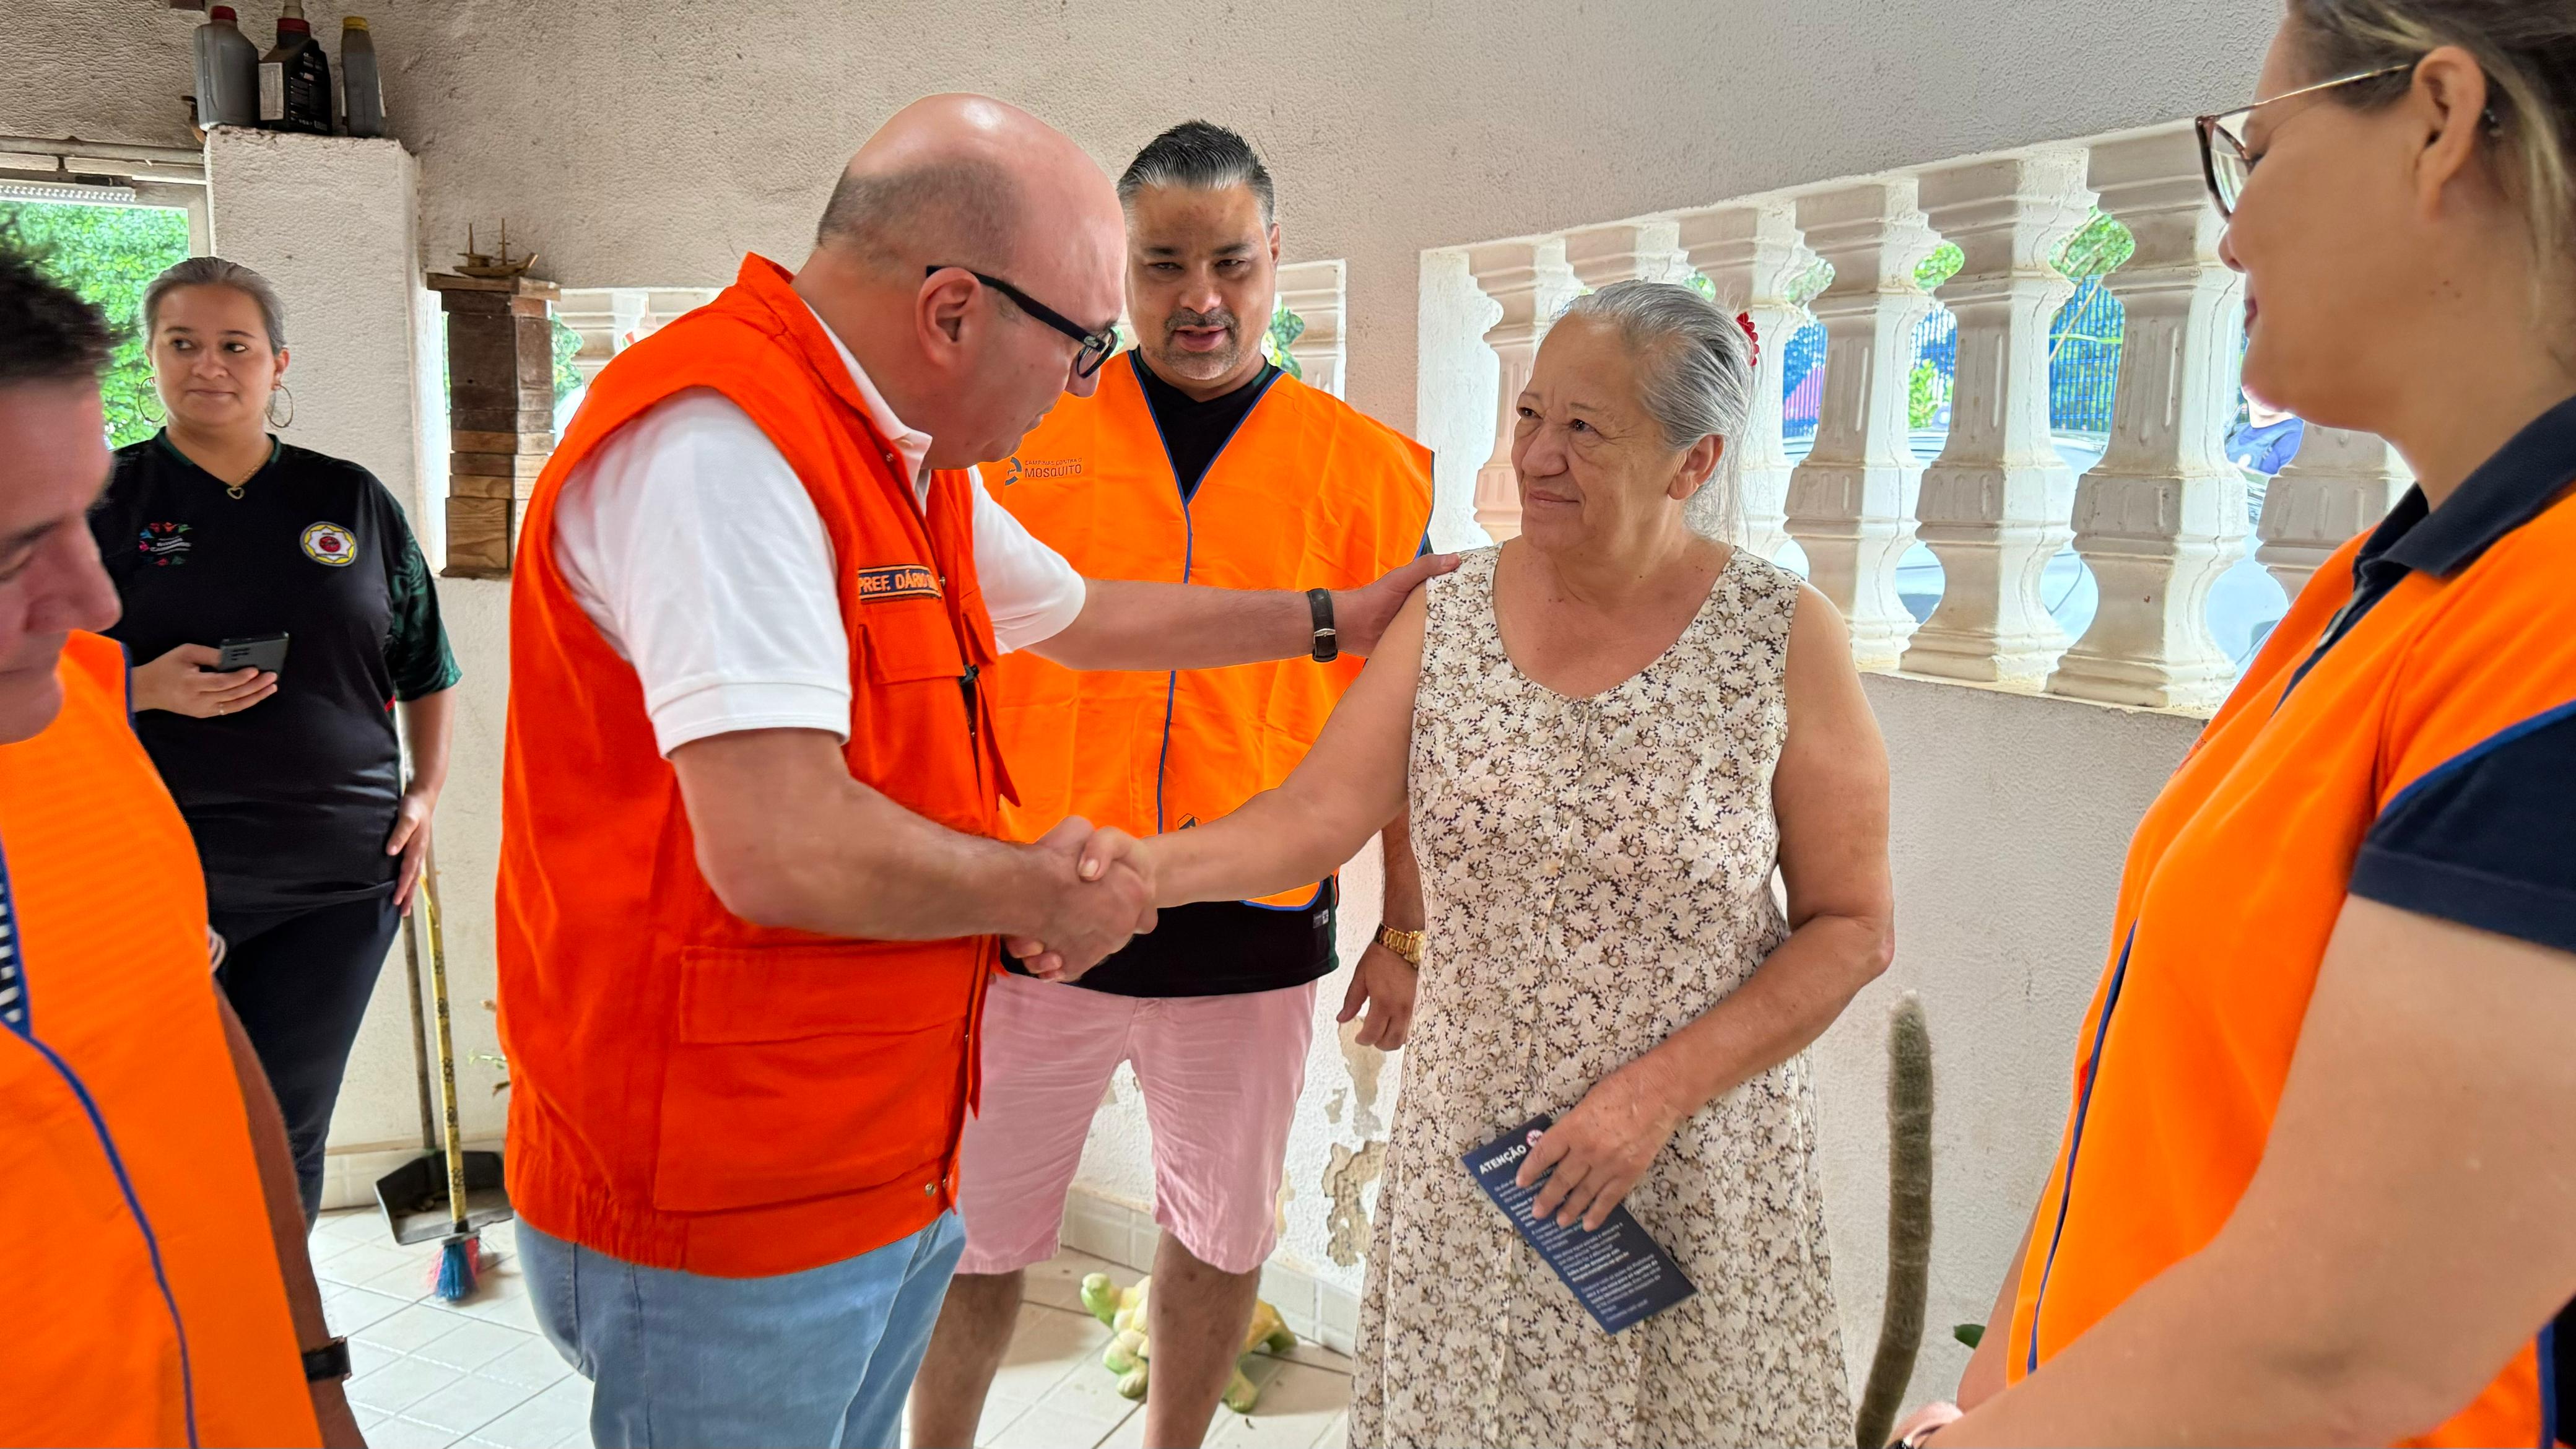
822,1357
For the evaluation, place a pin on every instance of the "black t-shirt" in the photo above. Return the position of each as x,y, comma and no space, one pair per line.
1216,948
291,799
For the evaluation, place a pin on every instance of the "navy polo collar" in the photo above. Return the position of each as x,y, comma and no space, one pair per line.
2507,491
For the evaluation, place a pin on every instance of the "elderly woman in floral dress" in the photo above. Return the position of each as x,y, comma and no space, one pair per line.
1613,730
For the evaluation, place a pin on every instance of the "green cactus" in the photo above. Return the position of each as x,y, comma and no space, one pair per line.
1909,1220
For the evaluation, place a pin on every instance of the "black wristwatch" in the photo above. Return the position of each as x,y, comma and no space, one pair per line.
329,1362
1328,643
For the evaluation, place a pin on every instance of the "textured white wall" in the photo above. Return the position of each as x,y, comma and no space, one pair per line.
654,141
2011,818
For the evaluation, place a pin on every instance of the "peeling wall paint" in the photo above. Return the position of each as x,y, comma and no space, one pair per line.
1349,1219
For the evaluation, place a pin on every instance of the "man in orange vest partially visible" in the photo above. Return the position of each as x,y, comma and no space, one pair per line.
1198,460
752,871
159,1279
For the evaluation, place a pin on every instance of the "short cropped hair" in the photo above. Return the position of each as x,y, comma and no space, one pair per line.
47,333
965,211
1201,156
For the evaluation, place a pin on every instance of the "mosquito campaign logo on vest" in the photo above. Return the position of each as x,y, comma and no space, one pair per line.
897,581
329,543
166,544
1041,468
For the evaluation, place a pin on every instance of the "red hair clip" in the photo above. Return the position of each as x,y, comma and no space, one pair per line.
1745,321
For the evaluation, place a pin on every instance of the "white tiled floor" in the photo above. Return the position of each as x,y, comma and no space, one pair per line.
432,1374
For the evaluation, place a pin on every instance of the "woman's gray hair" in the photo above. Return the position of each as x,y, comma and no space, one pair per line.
1695,371
216,272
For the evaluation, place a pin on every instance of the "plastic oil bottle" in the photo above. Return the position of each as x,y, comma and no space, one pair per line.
227,72
362,95
295,78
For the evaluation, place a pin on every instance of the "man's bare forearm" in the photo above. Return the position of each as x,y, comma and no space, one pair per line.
788,839
1128,624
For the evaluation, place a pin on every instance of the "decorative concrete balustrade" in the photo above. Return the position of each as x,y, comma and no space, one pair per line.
2164,514
1751,255
2340,484
1994,505
2156,521
1851,503
1532,282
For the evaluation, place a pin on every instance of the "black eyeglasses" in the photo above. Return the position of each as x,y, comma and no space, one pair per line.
1097,347
2224,161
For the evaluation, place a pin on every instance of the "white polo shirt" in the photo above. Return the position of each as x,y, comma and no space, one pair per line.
707,567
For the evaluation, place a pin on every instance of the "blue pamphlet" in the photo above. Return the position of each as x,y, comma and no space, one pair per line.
1619,1275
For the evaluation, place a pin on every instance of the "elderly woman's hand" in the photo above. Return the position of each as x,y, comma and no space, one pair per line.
1596,1153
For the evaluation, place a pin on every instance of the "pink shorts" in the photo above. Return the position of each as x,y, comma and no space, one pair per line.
1220,1074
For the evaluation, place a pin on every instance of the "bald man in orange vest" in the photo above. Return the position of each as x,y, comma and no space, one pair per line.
158,1277
1199,461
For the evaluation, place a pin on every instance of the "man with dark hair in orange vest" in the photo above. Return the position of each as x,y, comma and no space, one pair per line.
159,1279
753,867
1198,460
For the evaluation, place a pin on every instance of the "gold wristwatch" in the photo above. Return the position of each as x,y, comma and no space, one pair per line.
1407,944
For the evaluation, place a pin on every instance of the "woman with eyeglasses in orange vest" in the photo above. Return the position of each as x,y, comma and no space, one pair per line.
158,1284
2318,1177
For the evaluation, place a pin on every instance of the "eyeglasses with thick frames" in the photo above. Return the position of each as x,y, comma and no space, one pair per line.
2223,158
1097,347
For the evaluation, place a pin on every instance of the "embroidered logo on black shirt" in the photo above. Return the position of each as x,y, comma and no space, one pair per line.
329,543
164,543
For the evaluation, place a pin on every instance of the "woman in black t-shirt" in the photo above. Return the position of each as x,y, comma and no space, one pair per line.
292,782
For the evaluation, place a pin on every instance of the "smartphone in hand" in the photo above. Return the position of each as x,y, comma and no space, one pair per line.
263,652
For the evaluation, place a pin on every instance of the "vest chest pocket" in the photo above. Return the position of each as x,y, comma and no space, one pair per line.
904,641
916,730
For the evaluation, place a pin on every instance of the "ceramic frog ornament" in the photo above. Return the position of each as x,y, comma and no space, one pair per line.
1123,1309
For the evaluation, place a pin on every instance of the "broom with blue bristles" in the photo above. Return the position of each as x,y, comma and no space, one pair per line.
460,1253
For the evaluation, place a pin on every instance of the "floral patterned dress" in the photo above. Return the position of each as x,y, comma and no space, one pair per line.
1598,875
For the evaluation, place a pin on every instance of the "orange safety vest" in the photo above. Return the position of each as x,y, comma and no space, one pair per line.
1309,493
2233,886
148,1305
690,1090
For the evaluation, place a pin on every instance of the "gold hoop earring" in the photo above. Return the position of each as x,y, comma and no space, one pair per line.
274,420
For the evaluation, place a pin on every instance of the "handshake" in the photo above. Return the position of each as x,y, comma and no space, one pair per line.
1096,893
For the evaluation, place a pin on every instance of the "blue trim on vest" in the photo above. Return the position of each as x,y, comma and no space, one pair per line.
23,1023
2075,1139
2549,1386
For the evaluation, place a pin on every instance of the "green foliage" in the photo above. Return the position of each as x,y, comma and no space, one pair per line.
1970,1334
2103,246
1811,283
1926,390
1941,266
1285,328
567,343
1702,285
108,254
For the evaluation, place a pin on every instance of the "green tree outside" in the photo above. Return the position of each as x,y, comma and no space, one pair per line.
1285,328
109,255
